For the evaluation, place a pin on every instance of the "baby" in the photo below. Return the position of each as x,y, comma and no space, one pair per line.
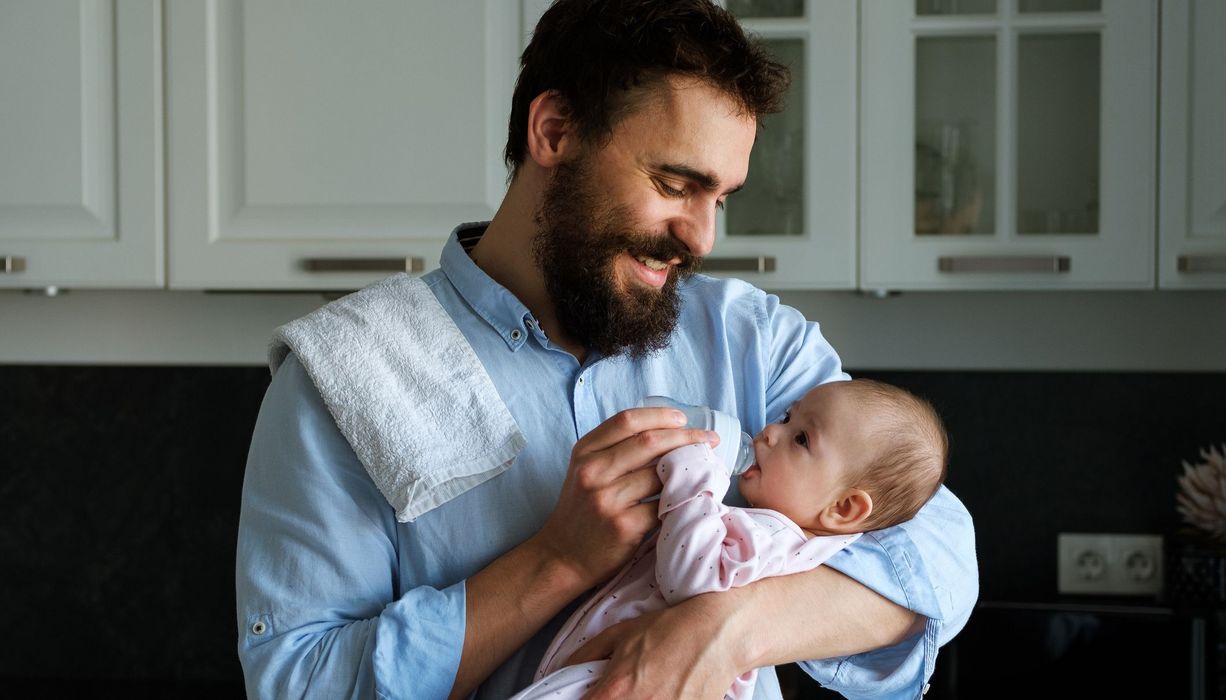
847,458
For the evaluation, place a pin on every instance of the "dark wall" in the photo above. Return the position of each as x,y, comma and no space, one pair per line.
119,492
119,496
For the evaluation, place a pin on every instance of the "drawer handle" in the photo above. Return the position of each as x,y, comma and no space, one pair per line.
1201,263
409,264
1004,263
762,263
12,263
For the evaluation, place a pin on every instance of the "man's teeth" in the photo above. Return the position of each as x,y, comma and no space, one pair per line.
652,263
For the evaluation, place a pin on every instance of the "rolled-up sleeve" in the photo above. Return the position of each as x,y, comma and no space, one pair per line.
926,565
319,613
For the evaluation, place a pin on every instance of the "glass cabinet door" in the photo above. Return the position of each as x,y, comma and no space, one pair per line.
793,224
1008,144
1192,170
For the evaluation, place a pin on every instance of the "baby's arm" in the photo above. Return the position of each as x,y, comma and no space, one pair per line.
690,545
705,546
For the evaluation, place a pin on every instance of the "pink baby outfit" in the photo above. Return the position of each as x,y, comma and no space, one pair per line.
702,546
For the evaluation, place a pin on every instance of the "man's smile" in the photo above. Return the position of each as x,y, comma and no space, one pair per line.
651,271
652,262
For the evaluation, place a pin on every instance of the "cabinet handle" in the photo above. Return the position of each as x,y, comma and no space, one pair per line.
12,263
1004,263
762,263
1201,263
409,264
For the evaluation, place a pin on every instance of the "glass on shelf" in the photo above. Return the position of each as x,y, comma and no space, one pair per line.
1030,6
772,201
955,7
955,135
1059,79
754,9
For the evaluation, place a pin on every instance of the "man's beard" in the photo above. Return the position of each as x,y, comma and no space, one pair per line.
581,236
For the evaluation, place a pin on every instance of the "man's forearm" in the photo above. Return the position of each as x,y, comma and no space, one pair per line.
505,604
817,614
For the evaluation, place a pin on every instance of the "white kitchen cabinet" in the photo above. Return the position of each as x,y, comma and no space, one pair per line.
1008,144
322,145
1192,170
80,144
793,226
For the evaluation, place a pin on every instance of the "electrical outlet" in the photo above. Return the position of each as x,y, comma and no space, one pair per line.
1107,564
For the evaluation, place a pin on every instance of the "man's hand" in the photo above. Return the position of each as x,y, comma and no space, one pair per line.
598,523
678,652
697,648
600,520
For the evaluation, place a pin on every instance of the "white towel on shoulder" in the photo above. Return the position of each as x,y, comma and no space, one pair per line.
407,392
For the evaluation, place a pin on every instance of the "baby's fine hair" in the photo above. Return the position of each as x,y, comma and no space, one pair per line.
908,454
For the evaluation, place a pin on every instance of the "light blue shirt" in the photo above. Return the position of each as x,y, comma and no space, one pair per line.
337,599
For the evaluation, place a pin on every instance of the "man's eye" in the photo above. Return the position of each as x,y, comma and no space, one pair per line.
669,190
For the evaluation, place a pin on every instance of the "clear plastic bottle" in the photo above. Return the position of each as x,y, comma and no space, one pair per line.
735,446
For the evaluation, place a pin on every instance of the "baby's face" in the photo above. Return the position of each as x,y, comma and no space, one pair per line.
801,462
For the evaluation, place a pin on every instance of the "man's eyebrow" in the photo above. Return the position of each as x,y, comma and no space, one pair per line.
707,181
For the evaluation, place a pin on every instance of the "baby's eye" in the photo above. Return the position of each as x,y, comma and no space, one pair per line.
787,416
802,439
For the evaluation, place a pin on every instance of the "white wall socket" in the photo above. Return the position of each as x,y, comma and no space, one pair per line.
1108,564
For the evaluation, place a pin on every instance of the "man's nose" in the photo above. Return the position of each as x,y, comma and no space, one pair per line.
695,228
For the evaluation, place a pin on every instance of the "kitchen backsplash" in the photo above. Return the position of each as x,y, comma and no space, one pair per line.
120,490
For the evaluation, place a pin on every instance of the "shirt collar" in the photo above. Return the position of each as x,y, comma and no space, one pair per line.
505,313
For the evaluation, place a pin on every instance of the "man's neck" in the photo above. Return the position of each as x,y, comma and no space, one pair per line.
505,254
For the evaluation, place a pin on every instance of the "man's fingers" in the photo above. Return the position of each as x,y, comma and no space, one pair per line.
653,444
629,423
629,441
637,451
637,485
598,647
642,518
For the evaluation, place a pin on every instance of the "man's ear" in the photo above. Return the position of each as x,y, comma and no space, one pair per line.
551,133
848,513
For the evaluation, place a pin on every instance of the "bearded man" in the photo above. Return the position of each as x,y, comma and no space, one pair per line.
632,123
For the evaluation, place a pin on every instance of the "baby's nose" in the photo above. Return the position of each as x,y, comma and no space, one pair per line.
766,437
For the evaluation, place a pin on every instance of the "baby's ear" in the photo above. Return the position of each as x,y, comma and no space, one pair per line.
848,513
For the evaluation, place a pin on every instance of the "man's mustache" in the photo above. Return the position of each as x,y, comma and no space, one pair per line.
662,248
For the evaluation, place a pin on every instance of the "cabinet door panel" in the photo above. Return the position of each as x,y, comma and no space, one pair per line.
1052,164
1193,167
303,130
80,180
797,214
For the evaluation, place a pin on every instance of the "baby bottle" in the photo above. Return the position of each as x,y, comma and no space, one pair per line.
735,446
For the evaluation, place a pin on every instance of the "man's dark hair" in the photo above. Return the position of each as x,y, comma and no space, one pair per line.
593,52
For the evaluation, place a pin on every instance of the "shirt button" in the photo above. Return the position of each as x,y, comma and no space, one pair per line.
259,628
516,335
926,687
529,323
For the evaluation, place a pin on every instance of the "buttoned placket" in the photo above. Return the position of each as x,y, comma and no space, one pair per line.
586,405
